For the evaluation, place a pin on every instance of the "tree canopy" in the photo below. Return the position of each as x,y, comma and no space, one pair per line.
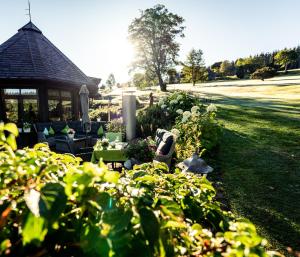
111,81
285,57
154,36
193,67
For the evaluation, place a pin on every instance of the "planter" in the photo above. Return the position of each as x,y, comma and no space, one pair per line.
71,136
26,130
113,136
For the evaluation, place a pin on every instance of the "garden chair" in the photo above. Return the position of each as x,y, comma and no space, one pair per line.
165,143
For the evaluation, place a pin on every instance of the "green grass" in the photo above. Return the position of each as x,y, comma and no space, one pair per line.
260,163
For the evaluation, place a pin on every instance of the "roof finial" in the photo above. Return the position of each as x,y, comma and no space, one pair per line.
29,11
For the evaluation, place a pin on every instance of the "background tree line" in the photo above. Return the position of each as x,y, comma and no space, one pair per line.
154,35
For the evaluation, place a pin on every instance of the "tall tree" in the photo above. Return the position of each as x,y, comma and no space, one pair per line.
227,68
193,66
285,57
111,81
154,37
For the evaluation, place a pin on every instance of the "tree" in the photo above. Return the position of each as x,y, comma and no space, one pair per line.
111,81
172,73
264,73
227,68
286,57
153,35
142,80
193,66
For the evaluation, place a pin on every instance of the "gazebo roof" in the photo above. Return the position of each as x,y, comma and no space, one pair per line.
30,55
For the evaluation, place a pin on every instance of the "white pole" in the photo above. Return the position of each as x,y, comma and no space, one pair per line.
129,115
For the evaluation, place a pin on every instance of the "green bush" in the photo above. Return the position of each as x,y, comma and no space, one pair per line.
142,150
102,112
198,132
164,114
53,206
150,119
263,73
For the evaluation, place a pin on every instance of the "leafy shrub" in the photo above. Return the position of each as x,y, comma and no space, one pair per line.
96,112
240,72
150,119
264,73
53,206
164,114
142,150
199,132
178,101
115,126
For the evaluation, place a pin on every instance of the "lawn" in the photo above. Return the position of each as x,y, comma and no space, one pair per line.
260,159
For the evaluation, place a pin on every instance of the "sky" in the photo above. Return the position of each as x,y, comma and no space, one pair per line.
94,33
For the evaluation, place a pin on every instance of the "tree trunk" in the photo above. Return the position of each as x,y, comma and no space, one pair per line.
285,68
163,86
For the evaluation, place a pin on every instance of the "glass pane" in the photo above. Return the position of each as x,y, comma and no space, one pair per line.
28,91
54,110
30,110
67,110
11,91
66,94
11,109
53,93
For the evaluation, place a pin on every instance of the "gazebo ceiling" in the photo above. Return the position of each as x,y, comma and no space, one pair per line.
30,55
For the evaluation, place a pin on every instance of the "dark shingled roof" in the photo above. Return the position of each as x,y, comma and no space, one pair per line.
30,55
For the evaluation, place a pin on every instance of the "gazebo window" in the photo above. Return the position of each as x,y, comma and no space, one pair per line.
21,105
60,105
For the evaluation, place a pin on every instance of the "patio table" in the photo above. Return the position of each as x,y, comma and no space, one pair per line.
110,154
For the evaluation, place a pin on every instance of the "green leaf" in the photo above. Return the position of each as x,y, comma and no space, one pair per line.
11,128
11,140
5,244
174,224
149,225
53,201
93,244
111,176
34,230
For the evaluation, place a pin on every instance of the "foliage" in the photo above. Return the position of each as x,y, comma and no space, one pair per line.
53,206
154,34
199,132
227,68
150,119
173,76
193,68
111,81
240,72
101,143
142,150
264,73
102,112
163,114
143,80
285,57
116,126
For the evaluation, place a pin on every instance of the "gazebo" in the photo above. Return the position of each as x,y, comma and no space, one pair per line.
37,81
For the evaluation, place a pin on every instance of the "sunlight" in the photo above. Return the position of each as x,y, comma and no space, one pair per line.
117,52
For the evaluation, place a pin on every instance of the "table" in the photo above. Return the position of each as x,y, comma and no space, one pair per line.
110,154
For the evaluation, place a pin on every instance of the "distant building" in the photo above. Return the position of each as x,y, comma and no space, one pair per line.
37,81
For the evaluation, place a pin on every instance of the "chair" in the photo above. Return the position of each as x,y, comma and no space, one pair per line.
73,146
162,139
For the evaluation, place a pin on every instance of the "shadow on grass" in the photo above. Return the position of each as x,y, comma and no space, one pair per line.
260,159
